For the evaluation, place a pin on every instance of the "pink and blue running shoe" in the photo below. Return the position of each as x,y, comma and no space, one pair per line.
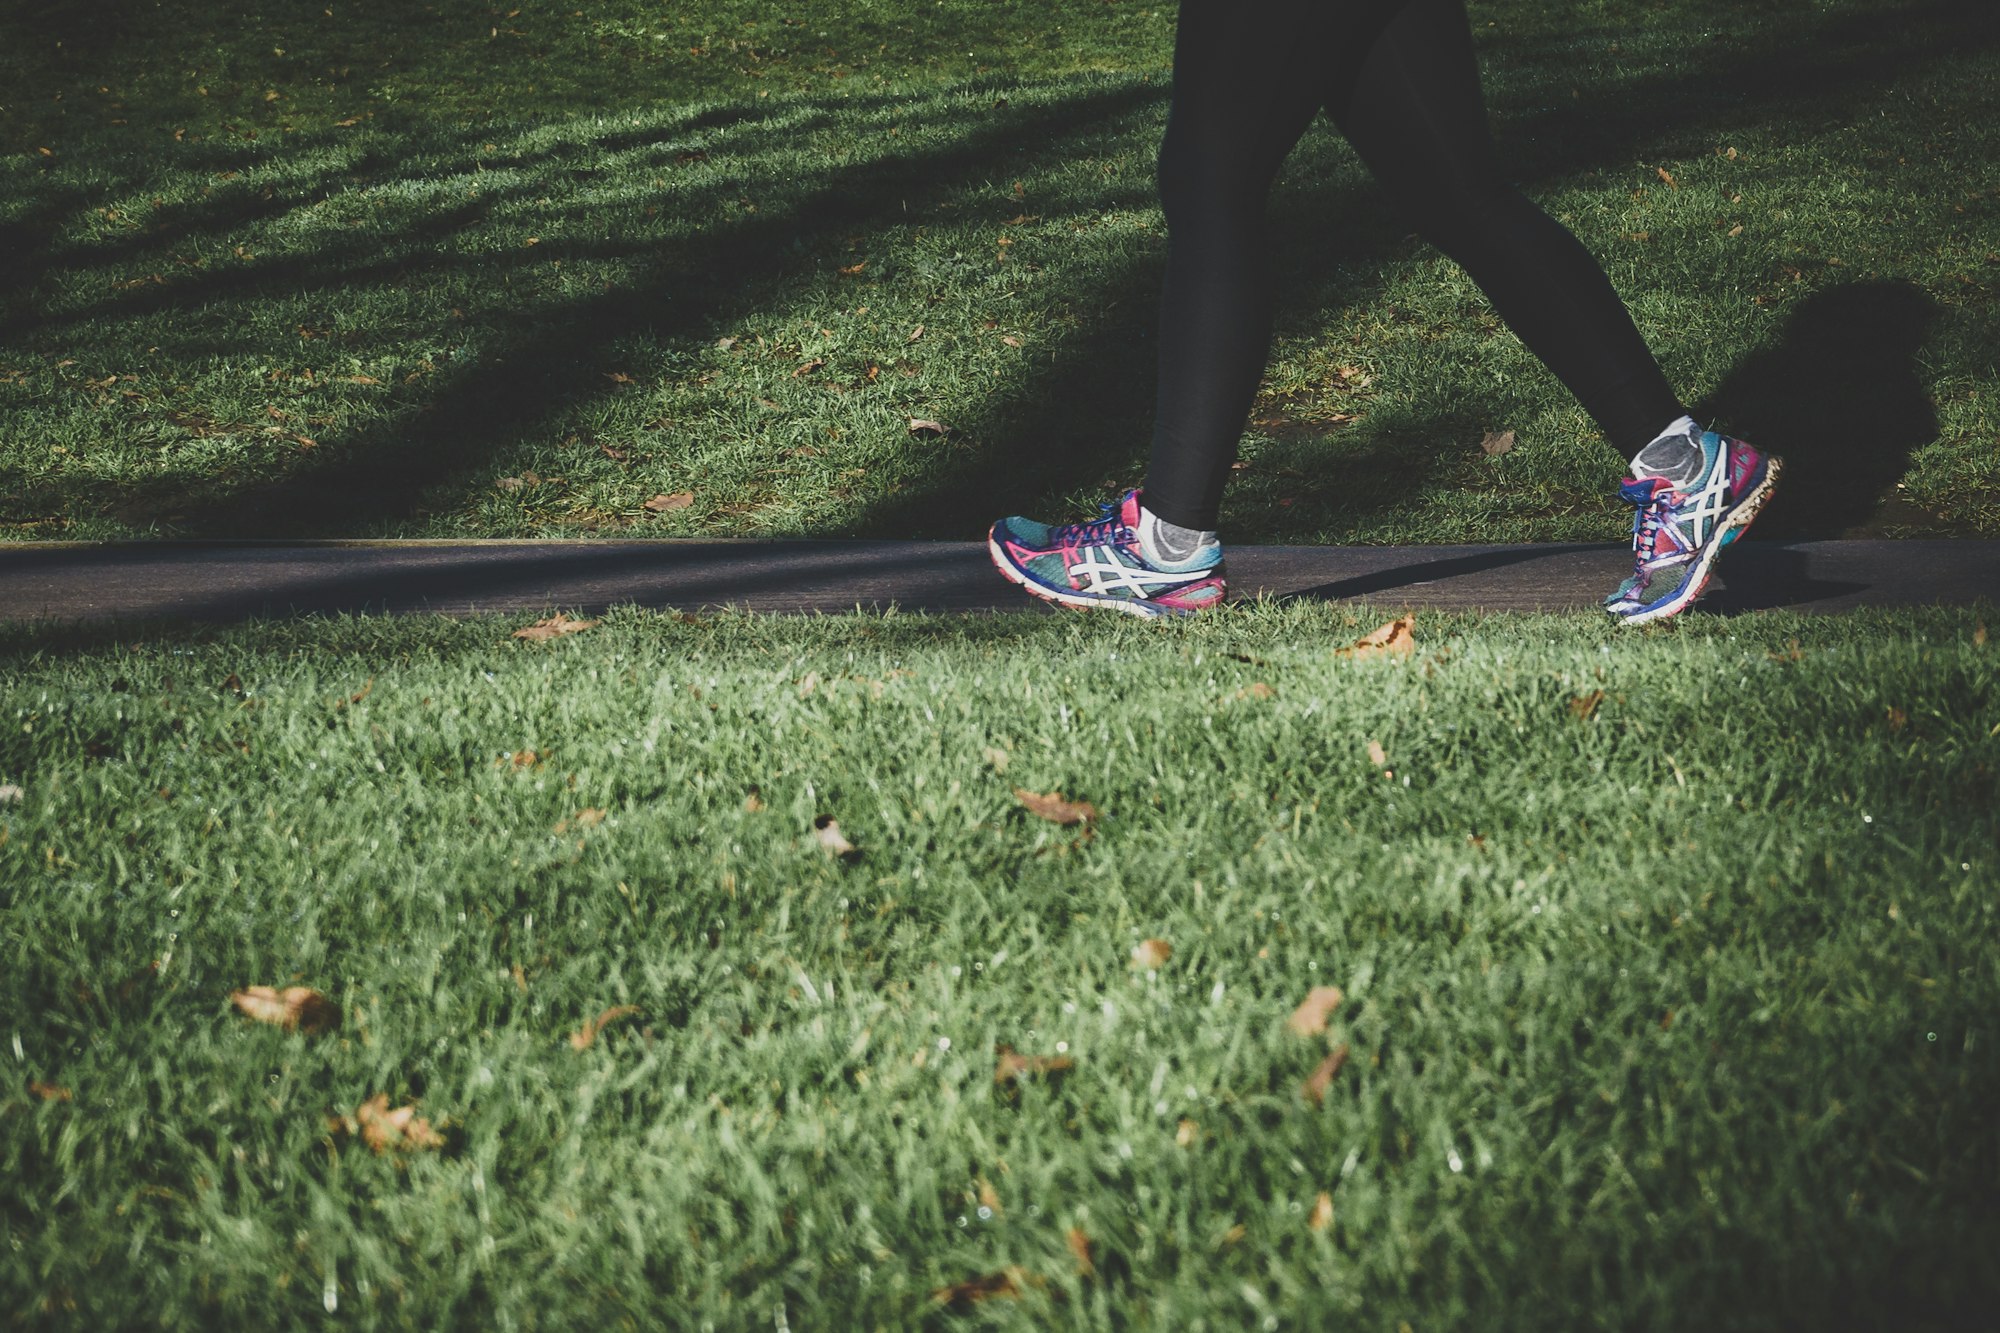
1100,564
1677,534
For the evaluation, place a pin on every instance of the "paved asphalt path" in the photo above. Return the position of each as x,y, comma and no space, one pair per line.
226,581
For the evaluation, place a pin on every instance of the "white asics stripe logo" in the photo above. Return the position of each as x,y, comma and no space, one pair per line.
1099,572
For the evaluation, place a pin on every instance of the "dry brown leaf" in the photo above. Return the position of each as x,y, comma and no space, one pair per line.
988,1196
510,483
1010,340
754,801
725,343
817,363
1377,755
1079,1246
924,426
1315,1086
584,1036
915,334
1187,1133
385,1130
1897,718
852,269
295,1008
1011,1066
590,818
960,1295
520,759
1054,808
554,627
1256,689
1151,955
1322,1212
827,831
1496,442
1736,230
1668,177
48,1092
1309,1019
619,377
1398,638
662,504
1584,706
1979,635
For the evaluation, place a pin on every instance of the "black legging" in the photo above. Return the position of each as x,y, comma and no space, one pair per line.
1398,78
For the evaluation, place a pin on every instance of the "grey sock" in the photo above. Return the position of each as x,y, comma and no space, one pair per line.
1169,543
1676,454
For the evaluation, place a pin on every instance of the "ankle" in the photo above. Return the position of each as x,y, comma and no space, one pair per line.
1168,544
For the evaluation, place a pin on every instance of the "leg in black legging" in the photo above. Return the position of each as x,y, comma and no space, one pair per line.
1399,78
1416,117
1248,79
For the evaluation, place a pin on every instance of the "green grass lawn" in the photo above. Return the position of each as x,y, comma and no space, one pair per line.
1669,960
469,270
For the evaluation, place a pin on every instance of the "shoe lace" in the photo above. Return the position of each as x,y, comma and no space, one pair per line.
1646,524
1102,530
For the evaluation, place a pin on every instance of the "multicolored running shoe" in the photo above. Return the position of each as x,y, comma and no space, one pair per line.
1677,534
1100,564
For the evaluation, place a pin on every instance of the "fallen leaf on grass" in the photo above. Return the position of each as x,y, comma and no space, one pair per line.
962,1295
997,757
1322,1212
295,1008
1011,340
852,269
11,793
48,1092
1398,638
1151,955
1256,689
1377,755
661,504
988,1196
915,334
1897,718
826,830
619,377
385,1130
1668,177
583,1037
817,363
1309,1019
1011,1066
1584,706
509,484
1079,1246
754,801
923,426
582,819
1979,635
554,627
1054,808
1187,1133
1496,442
1315,1086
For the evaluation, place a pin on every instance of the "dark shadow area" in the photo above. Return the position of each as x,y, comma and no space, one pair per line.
1840,400
1054,429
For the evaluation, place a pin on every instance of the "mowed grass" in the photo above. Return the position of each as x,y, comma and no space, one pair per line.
1669,961
463,270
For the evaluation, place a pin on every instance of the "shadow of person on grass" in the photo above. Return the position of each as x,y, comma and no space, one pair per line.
1840,400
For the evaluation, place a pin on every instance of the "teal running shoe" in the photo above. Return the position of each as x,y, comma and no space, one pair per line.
1100,564
1677,534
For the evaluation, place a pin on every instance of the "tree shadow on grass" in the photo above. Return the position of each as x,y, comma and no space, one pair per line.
1051,430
